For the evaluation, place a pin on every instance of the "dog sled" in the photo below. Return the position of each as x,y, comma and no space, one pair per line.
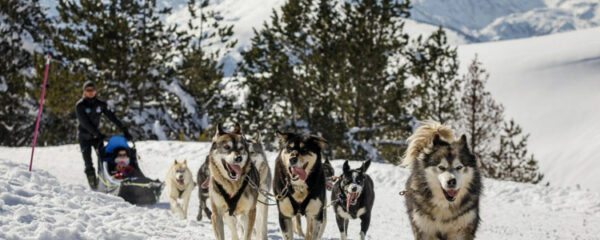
125,178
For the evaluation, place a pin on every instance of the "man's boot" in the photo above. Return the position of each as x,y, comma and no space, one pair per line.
92,179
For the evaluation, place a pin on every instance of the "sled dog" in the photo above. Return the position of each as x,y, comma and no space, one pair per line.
180,182
299,181
442,192
231,197
353,196
203,178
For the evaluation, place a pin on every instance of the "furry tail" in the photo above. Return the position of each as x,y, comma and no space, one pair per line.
421,140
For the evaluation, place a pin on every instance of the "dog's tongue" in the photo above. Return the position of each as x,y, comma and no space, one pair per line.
300,172
236,168
205,183
350,197
451,192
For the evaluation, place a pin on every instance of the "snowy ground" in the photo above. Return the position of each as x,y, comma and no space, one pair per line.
53,202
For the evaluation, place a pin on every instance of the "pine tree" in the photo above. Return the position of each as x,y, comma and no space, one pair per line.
125,48
200,73
480,116
20,38
330,70
434,64
511,161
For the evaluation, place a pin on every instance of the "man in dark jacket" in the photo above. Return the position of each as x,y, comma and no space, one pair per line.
89,110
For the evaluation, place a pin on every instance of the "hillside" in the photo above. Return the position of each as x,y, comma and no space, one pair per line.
550,86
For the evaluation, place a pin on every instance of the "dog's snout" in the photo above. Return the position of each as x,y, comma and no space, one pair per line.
238,159
294,154
354,188
293,160
452,183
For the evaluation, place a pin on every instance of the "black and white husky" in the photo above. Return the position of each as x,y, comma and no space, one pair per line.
442,192
299,181
353,196
230,195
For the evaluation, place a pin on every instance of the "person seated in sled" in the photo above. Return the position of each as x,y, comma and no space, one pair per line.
122,167
89,109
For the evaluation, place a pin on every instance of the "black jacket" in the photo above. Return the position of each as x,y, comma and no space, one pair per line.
89,111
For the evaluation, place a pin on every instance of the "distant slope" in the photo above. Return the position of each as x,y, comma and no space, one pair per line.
486,20
551,85
54,203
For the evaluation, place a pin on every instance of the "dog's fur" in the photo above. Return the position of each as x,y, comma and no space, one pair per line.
259,159
230,194
203,179
443,190
331,179
354,195
180,182
299,172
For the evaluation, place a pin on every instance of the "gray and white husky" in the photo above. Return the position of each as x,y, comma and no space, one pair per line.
442,192
258,157
231,197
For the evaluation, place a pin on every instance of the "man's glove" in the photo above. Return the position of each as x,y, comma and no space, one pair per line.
126,134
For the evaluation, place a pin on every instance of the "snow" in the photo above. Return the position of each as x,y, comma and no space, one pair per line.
488,20
550,86
53,202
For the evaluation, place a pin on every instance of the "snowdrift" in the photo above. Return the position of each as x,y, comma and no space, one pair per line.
53,202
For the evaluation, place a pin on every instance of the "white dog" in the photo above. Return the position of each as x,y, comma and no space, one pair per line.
181,184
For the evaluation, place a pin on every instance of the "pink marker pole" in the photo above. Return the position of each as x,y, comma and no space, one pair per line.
37,121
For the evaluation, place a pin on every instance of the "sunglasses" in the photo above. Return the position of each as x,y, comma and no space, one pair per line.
90,90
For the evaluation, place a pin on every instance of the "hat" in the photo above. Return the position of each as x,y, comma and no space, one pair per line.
89,84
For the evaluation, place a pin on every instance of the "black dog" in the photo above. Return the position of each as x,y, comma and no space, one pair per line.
353,196
299,182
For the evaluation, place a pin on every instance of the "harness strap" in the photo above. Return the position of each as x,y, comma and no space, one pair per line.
231,200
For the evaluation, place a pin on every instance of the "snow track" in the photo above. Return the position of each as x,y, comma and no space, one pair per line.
53,202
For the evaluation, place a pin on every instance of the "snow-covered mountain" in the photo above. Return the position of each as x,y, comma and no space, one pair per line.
485,20
53,202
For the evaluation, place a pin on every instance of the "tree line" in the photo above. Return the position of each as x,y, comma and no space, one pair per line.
345,70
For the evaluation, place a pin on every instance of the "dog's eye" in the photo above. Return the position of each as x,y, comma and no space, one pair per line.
442,168
227,147
459,167
252,152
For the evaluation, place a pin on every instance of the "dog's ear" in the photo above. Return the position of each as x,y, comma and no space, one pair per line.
365,166
282,136
175,163
437,141
219,132
237,129
463,142
346,167
185,162
319,140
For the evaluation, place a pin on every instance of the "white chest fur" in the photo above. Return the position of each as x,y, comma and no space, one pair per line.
342,212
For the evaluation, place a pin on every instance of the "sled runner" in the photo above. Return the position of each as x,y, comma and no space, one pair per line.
125,180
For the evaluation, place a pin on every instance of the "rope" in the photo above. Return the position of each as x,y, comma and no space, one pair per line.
267,194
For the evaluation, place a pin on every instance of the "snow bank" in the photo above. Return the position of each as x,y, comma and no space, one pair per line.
53,202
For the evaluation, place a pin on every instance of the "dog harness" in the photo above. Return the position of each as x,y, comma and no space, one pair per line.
229,199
